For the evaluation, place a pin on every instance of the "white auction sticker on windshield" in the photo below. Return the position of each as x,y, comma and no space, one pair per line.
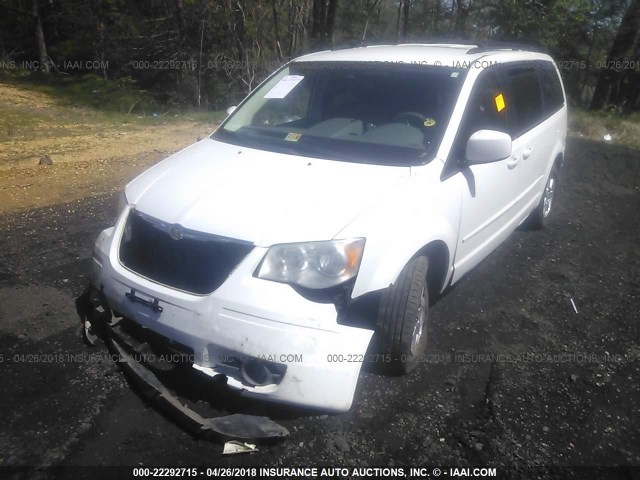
284,86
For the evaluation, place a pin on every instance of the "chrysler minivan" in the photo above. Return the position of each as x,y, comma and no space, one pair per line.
382,173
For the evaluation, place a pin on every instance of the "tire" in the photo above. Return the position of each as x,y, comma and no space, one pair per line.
540,216
402,318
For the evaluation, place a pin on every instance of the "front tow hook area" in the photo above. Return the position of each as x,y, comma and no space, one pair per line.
97,321
94,314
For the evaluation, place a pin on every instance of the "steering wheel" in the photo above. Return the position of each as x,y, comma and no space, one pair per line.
412,119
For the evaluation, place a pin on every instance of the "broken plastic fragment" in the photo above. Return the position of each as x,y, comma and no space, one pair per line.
233,447
93,315
573,304
89,336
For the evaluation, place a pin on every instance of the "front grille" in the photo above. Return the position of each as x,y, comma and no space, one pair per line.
178,257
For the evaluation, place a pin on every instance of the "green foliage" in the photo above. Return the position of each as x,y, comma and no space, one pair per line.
209,53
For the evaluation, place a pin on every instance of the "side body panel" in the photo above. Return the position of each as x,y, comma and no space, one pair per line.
424,211
500,196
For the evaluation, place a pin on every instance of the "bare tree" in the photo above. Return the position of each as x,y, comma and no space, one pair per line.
436,15
275,9
43,57
368,6
462,15
323,22
402,21
299,13
608,86
632,94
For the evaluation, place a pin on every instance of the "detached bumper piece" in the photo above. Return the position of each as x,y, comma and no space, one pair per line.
236,426
232,426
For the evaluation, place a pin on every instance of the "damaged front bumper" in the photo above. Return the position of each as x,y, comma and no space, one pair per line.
266,340
99,322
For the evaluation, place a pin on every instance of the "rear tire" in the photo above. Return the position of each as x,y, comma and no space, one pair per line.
402,318
540,216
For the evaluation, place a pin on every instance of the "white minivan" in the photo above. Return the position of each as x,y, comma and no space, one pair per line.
382,173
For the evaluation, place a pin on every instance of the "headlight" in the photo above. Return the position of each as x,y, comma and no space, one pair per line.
121,205
313,264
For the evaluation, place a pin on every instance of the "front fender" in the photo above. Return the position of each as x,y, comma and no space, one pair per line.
400,228
383,262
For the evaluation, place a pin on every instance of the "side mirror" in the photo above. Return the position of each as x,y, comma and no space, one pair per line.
231,109
486,146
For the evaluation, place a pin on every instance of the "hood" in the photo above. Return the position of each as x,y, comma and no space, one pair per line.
258,196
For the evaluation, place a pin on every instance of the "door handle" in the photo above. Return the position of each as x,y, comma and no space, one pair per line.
513,161
527,152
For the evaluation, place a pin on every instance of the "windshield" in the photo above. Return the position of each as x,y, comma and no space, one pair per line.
368,112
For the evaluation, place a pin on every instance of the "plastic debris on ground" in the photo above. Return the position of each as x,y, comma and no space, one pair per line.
573,304
234,447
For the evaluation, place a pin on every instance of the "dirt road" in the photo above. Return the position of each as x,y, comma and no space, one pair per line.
516,377
93,153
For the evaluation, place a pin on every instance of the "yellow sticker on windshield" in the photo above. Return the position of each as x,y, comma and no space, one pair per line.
293,137
500,104
429,122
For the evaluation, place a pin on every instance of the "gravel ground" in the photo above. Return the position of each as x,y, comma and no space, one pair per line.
515,378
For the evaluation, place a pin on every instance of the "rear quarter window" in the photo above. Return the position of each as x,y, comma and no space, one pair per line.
552,95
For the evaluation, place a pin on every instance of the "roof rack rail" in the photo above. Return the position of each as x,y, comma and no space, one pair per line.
348,44
478,46
380,42
356,43
489,45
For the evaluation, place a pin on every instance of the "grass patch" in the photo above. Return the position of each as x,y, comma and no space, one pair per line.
113,100
624,129
202,117
88,90
60,104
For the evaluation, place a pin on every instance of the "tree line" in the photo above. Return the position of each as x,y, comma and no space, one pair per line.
208,53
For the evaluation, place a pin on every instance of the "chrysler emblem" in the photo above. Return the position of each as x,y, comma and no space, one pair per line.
176,233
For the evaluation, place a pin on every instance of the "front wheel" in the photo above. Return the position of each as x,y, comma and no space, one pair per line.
402,317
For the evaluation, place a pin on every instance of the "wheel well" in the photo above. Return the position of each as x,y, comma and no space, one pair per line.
438,255
559,161
362,312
